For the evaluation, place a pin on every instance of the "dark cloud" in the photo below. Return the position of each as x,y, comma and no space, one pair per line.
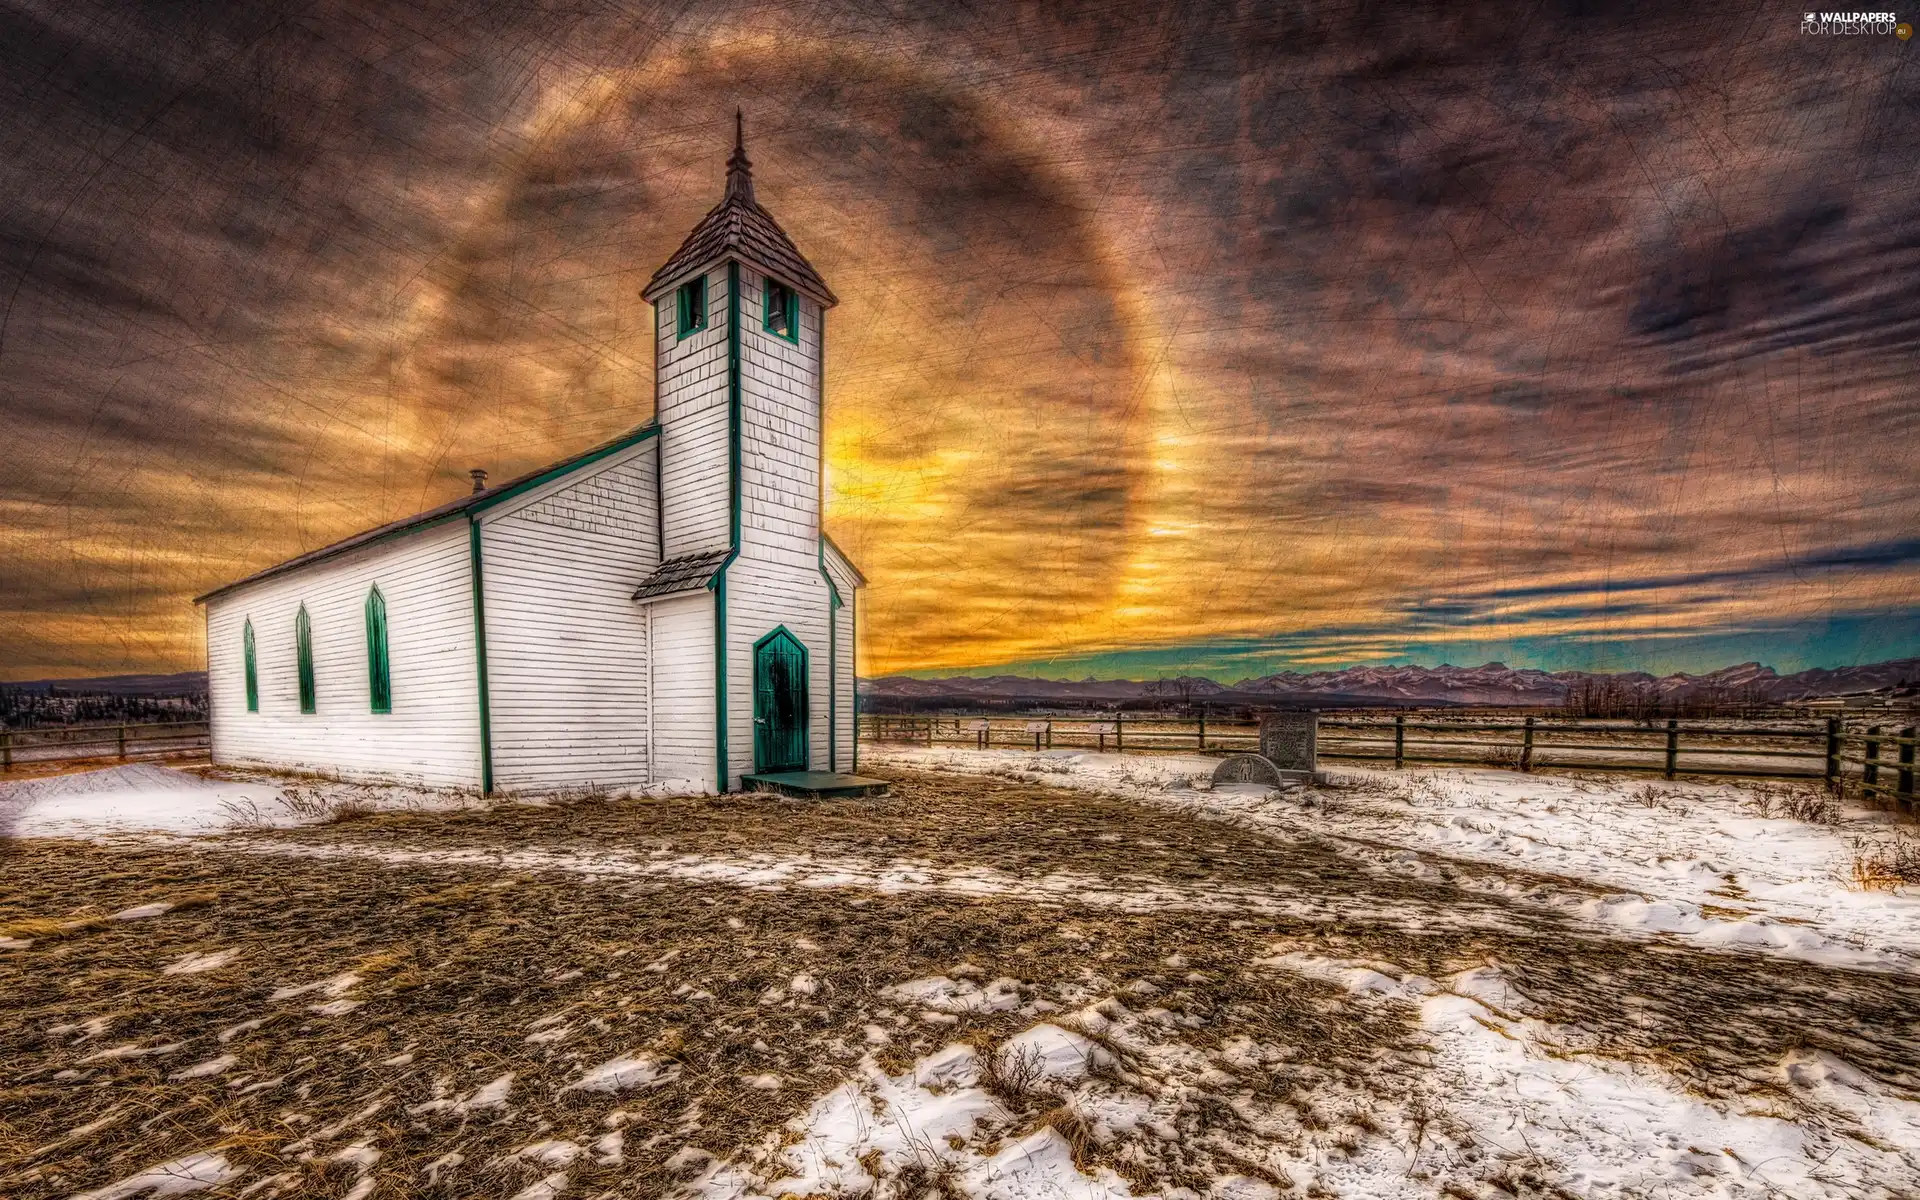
1297,328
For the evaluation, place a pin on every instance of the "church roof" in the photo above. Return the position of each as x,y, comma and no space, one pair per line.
472,502
739,227
682,574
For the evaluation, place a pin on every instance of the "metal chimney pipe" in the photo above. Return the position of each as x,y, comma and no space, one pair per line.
479,479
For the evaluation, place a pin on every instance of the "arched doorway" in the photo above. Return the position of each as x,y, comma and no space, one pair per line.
779,703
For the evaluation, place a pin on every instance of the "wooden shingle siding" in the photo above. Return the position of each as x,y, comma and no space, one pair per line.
692,410
431,737
567,648
683,691
776,580
780,435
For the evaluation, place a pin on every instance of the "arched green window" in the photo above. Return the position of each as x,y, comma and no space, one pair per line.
253,669
303,657
379,678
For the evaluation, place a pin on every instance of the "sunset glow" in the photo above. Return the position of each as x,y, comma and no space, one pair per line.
1164,343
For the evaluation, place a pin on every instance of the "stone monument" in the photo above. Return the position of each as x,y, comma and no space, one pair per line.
1287,740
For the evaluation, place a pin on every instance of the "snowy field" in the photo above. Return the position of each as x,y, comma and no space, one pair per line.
1020,976
1700,861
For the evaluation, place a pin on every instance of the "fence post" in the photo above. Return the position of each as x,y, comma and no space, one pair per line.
1673,746
6,751
1526,747
1049,735
1870,770
1905,778
1203,730
986,733
1833,752
1119,735
1399,741
123,743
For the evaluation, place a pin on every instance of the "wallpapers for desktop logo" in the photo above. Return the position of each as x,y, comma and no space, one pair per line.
1855,23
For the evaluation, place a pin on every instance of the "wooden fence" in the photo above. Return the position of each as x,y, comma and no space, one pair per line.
1879,760
20,747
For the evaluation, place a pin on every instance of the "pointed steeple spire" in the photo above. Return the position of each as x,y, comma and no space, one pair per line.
739,169
738,227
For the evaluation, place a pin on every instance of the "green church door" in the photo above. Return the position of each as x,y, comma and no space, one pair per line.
779,703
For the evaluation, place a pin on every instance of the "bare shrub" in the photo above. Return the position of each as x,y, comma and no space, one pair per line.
243,814
1885,866
1795,803
1425,786
351,809
1013,1076
1649,796
1503,757
1365,785
308,804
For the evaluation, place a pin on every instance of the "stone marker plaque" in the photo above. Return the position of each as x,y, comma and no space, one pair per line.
1038,726
1246,768
1287,740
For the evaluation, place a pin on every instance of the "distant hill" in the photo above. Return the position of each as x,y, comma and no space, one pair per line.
1490,684
186,683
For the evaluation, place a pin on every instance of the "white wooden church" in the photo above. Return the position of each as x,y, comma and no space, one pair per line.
664,609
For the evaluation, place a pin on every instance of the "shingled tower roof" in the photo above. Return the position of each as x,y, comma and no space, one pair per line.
738,227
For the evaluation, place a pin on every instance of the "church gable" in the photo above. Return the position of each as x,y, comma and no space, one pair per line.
615,501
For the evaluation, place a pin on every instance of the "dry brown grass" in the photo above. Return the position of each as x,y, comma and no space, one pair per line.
1885,866
458,963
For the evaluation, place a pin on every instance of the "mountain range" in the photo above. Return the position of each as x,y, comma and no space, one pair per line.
1491,684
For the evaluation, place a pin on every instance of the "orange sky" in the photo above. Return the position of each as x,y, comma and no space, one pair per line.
1168,340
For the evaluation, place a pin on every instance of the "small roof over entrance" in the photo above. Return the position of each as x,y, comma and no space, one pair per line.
687,573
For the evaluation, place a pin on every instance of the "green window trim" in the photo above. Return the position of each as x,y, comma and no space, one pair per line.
303,658
379,671
690,307
780,311
253,667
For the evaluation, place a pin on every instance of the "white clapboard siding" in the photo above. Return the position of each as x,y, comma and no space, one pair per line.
762,596
683,690
846,711
691,406
432,736
844,578
567,655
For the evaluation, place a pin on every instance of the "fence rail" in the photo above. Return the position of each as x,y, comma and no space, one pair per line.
1878,760
20,747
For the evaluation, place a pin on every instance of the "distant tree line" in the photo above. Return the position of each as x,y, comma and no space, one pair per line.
1616,698
23,709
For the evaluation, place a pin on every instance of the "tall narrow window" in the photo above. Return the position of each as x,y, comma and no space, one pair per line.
253,669
379,680
690,304
303,657
782,311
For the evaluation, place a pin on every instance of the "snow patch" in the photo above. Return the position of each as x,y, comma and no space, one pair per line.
178,1177
626,1074
193,964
